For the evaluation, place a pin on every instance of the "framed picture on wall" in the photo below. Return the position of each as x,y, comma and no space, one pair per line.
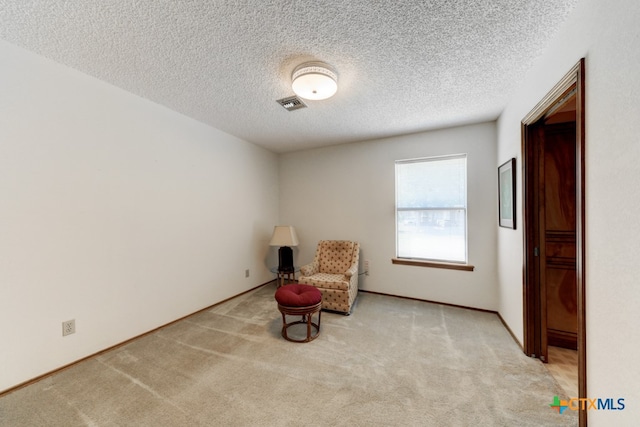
507,194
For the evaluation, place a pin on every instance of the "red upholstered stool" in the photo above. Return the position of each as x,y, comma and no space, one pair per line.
299,300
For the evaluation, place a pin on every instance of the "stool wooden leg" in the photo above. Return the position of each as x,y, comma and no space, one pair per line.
284,326
306,314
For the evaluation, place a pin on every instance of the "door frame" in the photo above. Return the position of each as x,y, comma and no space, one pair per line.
531,295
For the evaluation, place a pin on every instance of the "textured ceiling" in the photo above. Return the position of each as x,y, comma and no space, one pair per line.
403,66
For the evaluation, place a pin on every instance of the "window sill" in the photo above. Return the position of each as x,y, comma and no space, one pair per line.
432,264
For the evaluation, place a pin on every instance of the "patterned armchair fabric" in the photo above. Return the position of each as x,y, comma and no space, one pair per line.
334,271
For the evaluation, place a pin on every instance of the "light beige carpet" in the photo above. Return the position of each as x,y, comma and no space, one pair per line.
393,362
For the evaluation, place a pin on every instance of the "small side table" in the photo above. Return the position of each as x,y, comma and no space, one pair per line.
285,277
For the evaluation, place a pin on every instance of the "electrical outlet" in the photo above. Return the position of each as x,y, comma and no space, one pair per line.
68,327
246,273
366,267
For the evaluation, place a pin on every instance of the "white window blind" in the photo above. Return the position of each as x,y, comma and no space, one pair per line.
431,208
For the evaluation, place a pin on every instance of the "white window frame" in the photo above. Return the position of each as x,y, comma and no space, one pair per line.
433,261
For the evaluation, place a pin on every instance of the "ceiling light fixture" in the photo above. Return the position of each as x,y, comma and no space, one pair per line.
314,80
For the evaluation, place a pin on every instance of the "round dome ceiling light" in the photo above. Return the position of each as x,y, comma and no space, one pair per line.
314,80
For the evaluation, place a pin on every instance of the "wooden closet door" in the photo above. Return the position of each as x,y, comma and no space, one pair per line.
558,234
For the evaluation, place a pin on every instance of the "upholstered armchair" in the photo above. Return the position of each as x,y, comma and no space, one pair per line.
334,271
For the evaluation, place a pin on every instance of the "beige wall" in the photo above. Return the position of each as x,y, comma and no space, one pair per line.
115,212
348,192
607,34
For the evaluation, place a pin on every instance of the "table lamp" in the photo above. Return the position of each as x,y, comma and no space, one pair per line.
285,237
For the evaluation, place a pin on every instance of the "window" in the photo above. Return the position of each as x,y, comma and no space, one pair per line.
431,209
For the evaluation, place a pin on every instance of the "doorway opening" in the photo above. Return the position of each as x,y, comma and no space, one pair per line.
553,171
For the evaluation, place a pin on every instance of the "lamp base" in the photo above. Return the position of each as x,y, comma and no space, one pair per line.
285,259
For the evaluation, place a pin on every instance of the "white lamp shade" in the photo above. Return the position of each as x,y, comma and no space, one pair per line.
314,81
284,235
